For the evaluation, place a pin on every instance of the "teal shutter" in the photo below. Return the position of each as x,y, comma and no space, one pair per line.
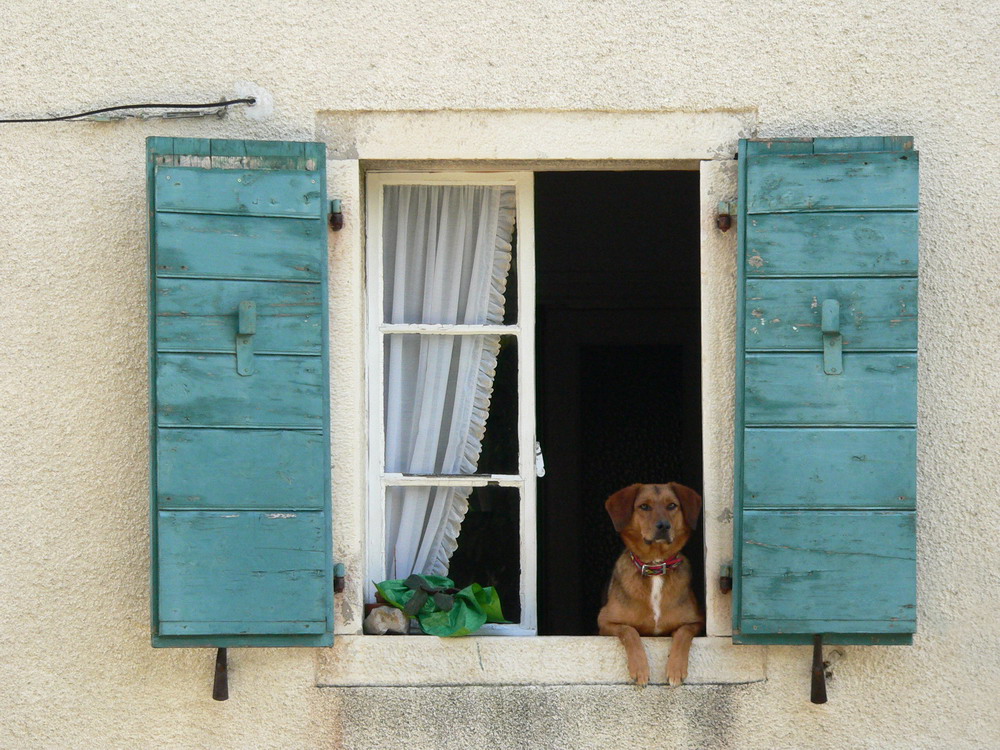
826,391
241,548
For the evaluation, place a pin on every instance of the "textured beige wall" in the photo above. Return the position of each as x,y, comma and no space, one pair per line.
76,669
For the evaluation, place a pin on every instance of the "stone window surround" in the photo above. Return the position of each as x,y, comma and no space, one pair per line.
532,140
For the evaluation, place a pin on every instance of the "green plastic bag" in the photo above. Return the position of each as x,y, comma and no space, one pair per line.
440,609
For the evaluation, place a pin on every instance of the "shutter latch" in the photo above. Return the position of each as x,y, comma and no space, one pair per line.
245,329
833,342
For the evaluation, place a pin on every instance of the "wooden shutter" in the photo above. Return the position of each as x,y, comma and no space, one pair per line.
241,548
826,391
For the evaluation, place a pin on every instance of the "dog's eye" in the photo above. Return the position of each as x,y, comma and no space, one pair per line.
672,506
644,506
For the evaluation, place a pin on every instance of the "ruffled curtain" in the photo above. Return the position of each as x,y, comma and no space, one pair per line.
447,253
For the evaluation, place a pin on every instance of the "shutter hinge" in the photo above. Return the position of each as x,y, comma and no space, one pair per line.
725,212
336,215
726,578
339,572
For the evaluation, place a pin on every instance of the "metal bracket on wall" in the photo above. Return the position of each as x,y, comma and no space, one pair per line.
220,687
817,694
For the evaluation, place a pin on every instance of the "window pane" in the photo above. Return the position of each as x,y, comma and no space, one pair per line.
447,252
489,548
422,524
450,404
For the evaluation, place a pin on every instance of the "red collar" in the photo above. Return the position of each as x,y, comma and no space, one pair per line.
656,568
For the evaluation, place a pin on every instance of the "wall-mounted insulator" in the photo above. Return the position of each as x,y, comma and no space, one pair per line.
336,215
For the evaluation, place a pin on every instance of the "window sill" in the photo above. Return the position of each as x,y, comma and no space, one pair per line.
425,661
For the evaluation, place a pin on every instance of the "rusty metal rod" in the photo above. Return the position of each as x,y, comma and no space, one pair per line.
818,692
220,688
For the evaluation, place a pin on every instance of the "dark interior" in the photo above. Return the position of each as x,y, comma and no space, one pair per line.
618,368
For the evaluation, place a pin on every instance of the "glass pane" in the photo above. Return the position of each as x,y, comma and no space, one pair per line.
422,524
450,404
510,295
489,546
446,253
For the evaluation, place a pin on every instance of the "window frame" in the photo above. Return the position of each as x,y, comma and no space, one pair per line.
718,171
523,330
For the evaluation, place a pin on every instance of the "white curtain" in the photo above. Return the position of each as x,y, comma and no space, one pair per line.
447,253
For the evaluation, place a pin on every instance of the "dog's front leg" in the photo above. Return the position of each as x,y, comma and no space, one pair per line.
677,662
638,664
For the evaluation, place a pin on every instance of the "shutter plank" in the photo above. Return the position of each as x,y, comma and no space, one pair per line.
816,467
202,315
874,313
800,571
789,389
268,469
254,192
832,181
205,389
239,246
242,572
814,244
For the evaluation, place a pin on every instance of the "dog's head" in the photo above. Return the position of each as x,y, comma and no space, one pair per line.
655,520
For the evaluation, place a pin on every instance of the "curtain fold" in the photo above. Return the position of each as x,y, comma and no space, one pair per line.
447,254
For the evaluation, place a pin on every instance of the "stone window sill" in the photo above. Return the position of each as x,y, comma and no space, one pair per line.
426,661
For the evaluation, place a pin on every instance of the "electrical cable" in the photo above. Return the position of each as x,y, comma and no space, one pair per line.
250,101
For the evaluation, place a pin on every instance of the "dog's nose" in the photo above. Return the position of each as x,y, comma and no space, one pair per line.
663,525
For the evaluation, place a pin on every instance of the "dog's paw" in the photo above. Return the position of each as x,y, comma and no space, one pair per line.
677,671
639,673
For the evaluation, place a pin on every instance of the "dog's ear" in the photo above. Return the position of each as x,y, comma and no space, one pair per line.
620,504
690,503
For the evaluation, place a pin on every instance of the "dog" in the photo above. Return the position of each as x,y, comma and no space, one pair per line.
650,589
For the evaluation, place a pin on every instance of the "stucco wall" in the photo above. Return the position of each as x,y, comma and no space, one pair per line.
76,668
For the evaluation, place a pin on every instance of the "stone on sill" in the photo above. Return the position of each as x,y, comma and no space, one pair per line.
382,620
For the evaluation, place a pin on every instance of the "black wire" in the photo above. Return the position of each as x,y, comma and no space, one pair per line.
210,105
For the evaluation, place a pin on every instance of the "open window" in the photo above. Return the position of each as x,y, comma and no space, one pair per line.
491,454
619,362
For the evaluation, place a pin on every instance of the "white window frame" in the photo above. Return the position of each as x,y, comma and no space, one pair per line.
379,481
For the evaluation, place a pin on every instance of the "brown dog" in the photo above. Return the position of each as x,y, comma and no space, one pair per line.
650,590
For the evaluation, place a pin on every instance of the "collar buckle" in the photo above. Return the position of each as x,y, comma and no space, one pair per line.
655,568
